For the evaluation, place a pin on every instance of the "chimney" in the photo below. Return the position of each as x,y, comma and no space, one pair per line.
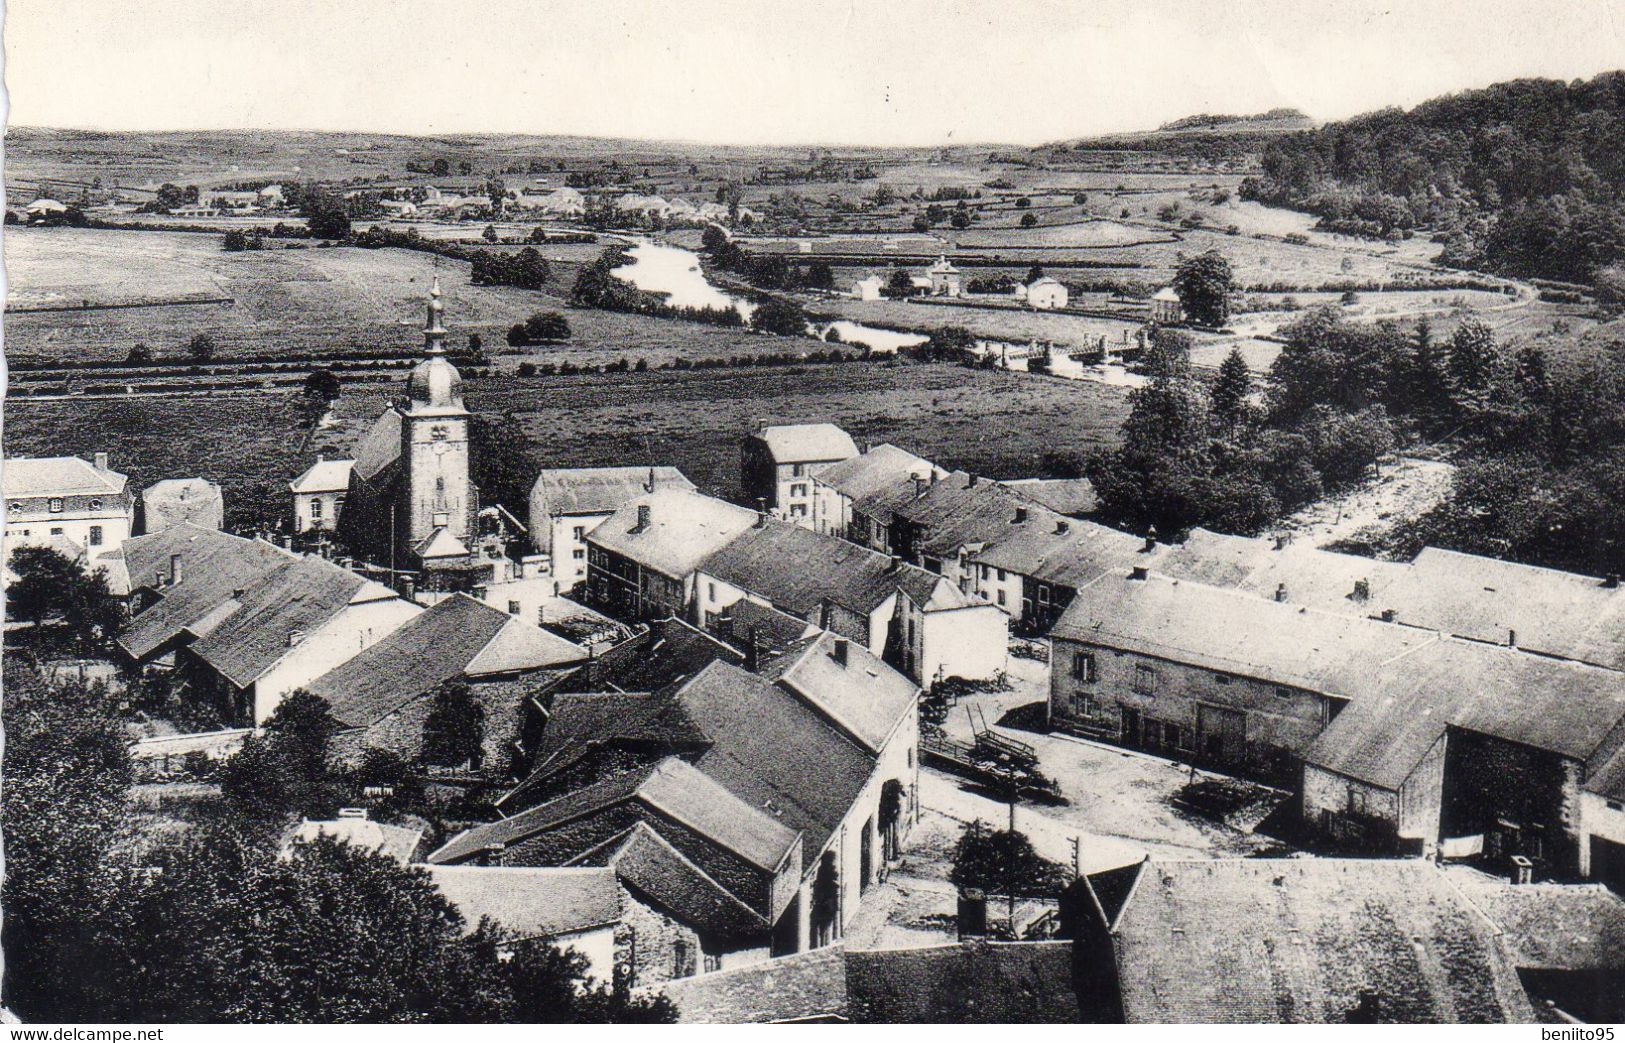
896,563
1512,639
644,518
1138,572
1280,592
360,813
491,854
1061,528
1388,615
1280,541
933,476
238,592
761,518
753,650
1362,590
1150,542
1021,515
1611,581
294,637
409,587
101,461
839,652
174,569
971,482
919,486
650,487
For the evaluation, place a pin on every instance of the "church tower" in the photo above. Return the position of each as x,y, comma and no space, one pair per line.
436,520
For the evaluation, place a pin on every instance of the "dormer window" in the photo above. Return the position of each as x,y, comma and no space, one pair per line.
95,505
56,505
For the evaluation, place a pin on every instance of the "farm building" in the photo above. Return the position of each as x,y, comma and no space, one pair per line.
354,828
318,494
1046,294
576,908
172,501
1037,565
778,462
568,503
81,508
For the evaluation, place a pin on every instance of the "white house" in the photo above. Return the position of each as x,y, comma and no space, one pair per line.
82,509
1166,306
1046,294
318,494
868,288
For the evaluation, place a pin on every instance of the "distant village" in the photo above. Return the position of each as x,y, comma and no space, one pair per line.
712,726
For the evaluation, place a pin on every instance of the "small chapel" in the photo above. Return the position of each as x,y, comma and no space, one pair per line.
412,506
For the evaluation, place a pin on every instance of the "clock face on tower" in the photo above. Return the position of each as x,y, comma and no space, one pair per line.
441,448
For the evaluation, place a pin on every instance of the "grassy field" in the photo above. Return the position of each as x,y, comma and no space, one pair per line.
310,301
998,424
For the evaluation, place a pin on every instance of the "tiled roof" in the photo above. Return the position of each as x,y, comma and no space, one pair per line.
213,566
670,650
323,476
1063,551
380,446
397,842
1070,496
31,476
1607,777
864,697
883,465
543,902
804,987
659,873
957,511
174,500
598,490
1550,926
456,637
798,570
299,596
1558,613
969,983
774,630
806,443
684,529
1317,578
1230,632
1300,941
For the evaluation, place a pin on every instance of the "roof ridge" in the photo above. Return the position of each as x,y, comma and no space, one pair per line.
644,829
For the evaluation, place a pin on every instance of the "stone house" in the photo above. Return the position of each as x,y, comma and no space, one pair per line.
777,463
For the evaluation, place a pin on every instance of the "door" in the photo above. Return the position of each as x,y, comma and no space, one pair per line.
1221,733
1131,727
1608,863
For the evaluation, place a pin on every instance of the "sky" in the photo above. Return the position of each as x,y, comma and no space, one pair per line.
861,72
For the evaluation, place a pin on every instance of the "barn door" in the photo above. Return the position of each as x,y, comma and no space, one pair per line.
1221,733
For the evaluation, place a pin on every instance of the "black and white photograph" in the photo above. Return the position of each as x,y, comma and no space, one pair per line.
620,512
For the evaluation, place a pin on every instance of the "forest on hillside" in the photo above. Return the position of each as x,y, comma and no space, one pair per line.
1522,178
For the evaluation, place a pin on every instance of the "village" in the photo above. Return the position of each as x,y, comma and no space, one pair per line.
734,751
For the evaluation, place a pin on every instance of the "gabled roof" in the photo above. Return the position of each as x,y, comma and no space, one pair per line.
324,476
684,529
659,873
598,490
1167,293
295,599
863,696
1300,940
456,637
441,543
956,511
397,842
544,902
669,651
798,569
1074,497
808,986
883,465
1063,551
807,443
1235,633
380,446
774,631
1317,578
970,983
31,476
1558,613
213,566
174,500
1550,926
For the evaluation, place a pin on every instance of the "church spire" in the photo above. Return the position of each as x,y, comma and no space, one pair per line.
434,331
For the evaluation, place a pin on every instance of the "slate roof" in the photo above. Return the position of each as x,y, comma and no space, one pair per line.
380,446
953,513
804,987
1317,578
33,476
174,500
1548,704
659,873
1558,613
1607,776
775,631
967,983
456,637
865,698
1231,632
541,902
798,569
807,443
398,842
300,596
670,650
1070,496
598,490
213,566
323,476
1550,926
684,529
1299,940
882,466
1071,558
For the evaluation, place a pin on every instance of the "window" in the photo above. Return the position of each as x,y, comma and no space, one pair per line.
513,608
95,504
579,533
1001,597
338,503
1614,805
1145,679
1085,705
315,508
798,510
1283,693
1357,801
56,505
911,756
56,530
798,470
711,592
1043,594
578,554
439,484
1083,667
799,489
95,535
984,573
1001,575
1222,678
442,519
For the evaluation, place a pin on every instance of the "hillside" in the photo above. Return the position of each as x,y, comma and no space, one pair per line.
1523,177
1274,120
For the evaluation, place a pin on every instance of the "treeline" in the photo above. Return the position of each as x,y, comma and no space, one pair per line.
764,359
1523,177
772,271
525,269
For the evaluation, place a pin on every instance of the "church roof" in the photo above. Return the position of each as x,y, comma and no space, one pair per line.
381,446
440,544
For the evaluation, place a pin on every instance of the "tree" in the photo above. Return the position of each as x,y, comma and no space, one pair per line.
490,233
545,327
139,355
502,455
1228,399
440,167
780,316
713,239
284,770
948,344
201,347
1470,359
1204,284
1028,220
1035,273
235,241
921,223
1023,203
325,213
49,586
1004,862
454,731
899,283
959,219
